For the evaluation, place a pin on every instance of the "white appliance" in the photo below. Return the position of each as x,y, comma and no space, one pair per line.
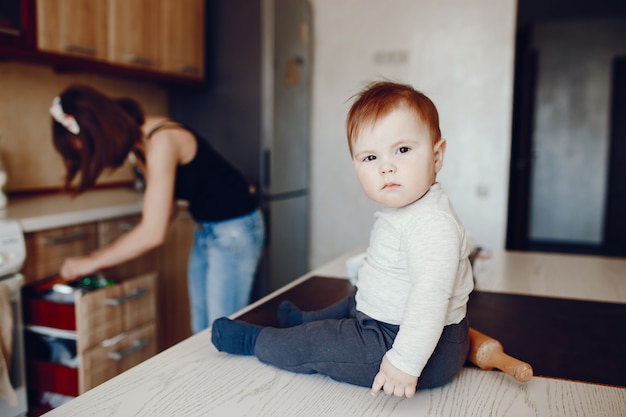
255,111
12,247
13,400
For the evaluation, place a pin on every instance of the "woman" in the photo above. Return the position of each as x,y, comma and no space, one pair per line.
93,132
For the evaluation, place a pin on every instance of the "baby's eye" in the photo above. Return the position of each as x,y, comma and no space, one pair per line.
369,158
403,149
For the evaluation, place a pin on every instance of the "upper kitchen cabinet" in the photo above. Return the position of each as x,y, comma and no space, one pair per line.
166,36
73,27
158,40
182,37
133,29
17,23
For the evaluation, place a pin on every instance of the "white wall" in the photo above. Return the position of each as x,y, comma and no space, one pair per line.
460,54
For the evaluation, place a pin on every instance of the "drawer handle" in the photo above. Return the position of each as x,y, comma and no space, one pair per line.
80,49
121,354
70,237
189,69
126,226
137,293
139,60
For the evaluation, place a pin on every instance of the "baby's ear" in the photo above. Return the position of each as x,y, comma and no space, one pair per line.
439,150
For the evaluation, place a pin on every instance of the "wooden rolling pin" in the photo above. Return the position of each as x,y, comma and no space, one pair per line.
487,353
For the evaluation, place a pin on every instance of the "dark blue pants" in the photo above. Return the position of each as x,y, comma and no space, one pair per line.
348,346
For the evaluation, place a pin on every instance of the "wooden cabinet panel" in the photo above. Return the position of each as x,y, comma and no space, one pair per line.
139,300
73,27
182,37
47,249
108,231
102,363
133,33
173,296
106,313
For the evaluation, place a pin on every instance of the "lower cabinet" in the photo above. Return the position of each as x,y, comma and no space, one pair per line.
75,344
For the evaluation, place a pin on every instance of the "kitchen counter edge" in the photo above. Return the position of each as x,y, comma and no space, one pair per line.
61,210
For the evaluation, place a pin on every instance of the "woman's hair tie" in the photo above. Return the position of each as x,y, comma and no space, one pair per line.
67,120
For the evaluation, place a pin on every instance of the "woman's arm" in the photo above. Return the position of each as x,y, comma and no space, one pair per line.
161,161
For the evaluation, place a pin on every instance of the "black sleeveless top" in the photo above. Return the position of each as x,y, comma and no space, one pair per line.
213,187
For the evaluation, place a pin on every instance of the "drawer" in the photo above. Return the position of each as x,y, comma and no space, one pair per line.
98,364
101,363
110,311
96,315
46,250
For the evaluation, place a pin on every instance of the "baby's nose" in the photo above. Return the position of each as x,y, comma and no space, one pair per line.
387,168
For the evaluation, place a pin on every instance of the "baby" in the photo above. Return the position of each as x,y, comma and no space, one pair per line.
406,326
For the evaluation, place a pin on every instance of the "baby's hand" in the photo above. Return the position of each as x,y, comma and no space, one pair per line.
393,381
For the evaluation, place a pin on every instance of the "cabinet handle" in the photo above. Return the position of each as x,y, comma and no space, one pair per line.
126,226
139,60
121,354
80,49
70,237
189,69
137,293
9,31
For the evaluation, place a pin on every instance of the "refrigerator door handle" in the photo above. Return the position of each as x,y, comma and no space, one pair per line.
267,159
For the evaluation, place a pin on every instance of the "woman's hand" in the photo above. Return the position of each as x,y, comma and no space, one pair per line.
76,267
393,381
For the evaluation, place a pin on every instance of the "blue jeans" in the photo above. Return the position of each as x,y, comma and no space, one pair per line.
222,266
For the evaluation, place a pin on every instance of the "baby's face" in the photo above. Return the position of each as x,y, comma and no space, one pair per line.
395,158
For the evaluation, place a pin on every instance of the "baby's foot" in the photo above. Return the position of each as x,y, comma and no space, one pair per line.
234,337
289,315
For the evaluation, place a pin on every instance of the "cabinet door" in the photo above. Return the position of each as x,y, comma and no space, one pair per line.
108,231
173,296
73,27
46,249
133,33
182,37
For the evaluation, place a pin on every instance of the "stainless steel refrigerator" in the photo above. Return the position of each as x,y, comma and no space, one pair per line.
254,110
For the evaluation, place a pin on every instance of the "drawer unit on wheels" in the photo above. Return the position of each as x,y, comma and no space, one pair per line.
78,342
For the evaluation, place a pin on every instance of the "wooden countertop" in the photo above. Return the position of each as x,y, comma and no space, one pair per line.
194,379
59,210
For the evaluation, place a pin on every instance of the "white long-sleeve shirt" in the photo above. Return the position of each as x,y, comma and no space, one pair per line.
416,274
